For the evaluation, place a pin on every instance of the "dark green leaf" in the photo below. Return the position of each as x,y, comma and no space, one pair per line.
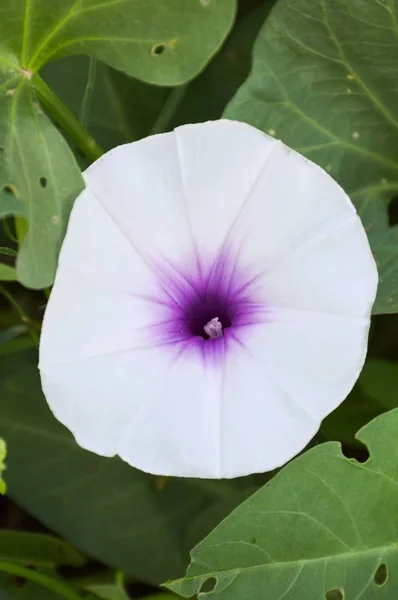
37,549
324,81
323,523
379,379
113,107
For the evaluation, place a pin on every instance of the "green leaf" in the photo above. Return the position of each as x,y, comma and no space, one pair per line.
37,549
323,523
108,591
113,107
102,506
332,96
7,273
3,466
40,180
207,96
163,43
379,379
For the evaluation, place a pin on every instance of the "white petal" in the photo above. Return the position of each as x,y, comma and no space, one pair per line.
183,189
262,426
333,272
176,432
98,398
315,358
95,306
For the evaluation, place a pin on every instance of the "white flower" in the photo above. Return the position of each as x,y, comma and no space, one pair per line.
211,305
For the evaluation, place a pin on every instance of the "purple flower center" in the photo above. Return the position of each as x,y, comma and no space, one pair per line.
208,317
206,306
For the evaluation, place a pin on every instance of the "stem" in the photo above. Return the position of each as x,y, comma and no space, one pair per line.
63,116
88,92
43,580
24,318
169,109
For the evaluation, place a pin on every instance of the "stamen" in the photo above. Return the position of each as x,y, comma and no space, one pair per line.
213,328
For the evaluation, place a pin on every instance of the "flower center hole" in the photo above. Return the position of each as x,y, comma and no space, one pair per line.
208,317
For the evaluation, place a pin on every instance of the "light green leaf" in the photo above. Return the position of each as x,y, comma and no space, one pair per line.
40,180
102,506
379,379
37,549
164,42
7,273
323,523
331,94
3,466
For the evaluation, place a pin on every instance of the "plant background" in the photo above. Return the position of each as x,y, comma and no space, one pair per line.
80,77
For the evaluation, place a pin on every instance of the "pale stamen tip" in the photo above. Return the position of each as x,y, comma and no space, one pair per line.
214,328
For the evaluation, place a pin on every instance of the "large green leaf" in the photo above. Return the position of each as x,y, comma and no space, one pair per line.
323,523
164,42
379,380
324,81
104,507
37,549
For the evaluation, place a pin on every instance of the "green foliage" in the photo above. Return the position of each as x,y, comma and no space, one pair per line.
323,523
37,550
323,81
7,273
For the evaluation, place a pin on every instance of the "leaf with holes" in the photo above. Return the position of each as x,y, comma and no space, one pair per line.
324,525
164,42
332,95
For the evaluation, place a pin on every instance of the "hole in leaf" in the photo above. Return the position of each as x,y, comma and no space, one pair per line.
10,189
43,182
356,451
208,585
253,541
381,575
393,211
158,49
336,594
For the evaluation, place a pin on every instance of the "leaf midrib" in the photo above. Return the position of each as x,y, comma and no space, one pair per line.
377,551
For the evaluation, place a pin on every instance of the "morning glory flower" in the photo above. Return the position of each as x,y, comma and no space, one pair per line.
211,304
